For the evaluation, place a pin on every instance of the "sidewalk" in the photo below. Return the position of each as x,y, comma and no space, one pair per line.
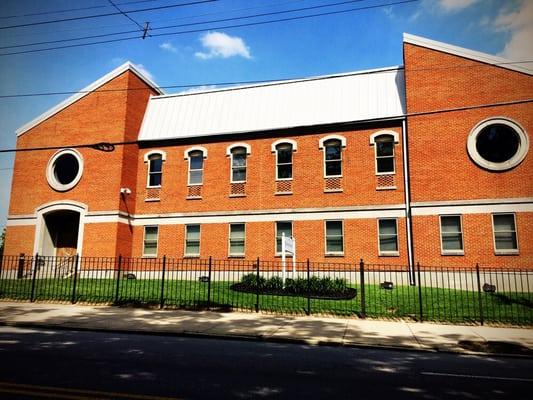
313,330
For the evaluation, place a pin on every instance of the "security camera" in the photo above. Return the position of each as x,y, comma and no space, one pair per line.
125,191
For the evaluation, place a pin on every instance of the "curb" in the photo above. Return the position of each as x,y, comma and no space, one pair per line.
256,338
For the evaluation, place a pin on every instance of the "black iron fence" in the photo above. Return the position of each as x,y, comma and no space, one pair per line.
450,294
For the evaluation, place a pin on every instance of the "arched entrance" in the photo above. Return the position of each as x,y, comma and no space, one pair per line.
59,230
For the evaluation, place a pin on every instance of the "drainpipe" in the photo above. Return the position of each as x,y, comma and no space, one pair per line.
407,191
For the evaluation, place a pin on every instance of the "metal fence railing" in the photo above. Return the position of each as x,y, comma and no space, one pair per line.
448,294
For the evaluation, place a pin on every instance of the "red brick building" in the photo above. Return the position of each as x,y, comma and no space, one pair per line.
425,162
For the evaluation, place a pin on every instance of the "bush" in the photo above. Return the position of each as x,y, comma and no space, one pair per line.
274,283
252,281
315,285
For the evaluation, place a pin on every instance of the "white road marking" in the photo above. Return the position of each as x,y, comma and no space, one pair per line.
501,378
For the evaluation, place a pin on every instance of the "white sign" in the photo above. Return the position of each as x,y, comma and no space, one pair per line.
288,244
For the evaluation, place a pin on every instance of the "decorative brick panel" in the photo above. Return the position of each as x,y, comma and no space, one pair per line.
385,182
237,189
333,185
283,186
152,194
194,192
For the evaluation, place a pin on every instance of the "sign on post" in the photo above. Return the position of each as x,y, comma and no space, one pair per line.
288,246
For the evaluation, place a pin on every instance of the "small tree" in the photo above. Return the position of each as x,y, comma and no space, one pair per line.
2,241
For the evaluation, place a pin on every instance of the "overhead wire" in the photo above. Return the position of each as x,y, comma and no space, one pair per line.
125,14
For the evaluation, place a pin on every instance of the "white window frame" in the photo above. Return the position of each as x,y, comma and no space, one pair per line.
187,157
322,146
333,253
388,253
274,149
276,252
505,251
229,152
50,170
149,162
230,254
452,252
185,254
156,241
395,141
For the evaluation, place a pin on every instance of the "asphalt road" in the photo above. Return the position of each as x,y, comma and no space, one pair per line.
38,364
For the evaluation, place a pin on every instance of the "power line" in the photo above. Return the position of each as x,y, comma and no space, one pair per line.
110,146
261,81
74,9
105,14
183,25
213,28
125,14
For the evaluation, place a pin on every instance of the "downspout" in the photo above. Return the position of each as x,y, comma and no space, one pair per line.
407,192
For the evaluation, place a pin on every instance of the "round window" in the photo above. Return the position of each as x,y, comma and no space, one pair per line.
64,170
497,144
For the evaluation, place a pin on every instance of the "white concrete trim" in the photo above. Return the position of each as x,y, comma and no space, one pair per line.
240,144
511,200
517,158
155,151
331,137
473,209
384,132
84,92
466,53
281,141
194,148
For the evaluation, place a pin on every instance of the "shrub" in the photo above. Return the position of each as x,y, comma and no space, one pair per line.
315,285
252,281
274,283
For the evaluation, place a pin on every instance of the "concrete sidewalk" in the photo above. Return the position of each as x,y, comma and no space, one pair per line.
313,330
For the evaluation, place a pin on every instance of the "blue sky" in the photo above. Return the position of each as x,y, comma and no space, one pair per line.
355,40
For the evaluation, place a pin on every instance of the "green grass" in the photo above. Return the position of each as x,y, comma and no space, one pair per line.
437,304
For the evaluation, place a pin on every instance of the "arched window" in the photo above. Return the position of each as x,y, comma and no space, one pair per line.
385,154
238,153
155,168
284,161
196,167
332,158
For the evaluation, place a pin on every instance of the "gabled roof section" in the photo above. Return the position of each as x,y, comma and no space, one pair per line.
466,53
88,90
332,99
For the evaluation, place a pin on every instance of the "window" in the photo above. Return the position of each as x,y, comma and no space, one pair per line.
332,158
196,167
505,240
388,237
497,144
284,161
384,154
192,240
236,239
283,227
334,237
238,164
64,170
451,234
150,241
155,170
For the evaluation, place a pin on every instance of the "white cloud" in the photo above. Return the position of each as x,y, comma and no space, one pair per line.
519,24
450,6
222,45
144,71
167,46
196,89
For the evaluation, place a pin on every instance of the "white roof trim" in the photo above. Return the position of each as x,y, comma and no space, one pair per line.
87,90
466,53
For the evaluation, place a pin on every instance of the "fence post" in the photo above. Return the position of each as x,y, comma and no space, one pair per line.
20,269
362,279
257,288
209,285
419,292
308,289
76,260
479,295
162,298
119,267
33,277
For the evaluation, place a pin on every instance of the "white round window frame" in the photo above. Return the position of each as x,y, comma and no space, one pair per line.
50,175
523,145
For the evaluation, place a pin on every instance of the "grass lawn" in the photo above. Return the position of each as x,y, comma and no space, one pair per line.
403,301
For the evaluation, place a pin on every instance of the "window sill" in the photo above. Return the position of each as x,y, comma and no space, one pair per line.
192,256
390,254
284,179
150,256
237,195
193,198
506,253
334,255
153,187
282,193
152,200
386,188
452,253
333,190
385,173
236,256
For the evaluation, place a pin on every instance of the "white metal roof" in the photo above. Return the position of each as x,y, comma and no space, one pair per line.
351,97
85,91
466,53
